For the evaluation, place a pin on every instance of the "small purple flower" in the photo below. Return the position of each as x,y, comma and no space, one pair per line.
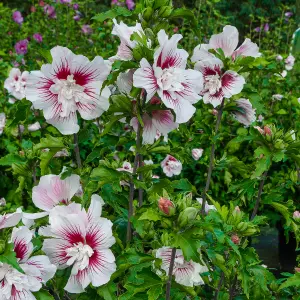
288,14
76,18
21,47
38,37
257,29
50,11
86,29
65,1
266,27
130,4
76,6
17,17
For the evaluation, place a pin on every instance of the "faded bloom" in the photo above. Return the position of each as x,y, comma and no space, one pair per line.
62,153
17,17
71,83
34,127
296,215
10,220
49,11
207,206
227,41
38,37
177,87
289,62
16,82
171,166
86,29
124,33
197,153
265,131
235,239
277,97
81,240
166,206
37,269
2,122
245,113
186,273
21,47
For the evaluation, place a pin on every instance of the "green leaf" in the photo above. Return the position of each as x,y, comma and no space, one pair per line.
23,109
108,291
46,54
113,13
10,159
147,168
262,165
50,142
112,121
151,215
9,257
154,292
183,184
105,175
120,103
292,281
93,155
185,14
43,295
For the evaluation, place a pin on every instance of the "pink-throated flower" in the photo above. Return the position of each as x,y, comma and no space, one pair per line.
71,83
17,17
16,82
171,166
197,153
21,47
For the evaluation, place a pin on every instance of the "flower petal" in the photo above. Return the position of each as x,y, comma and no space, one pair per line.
232,83
201,53
248,48
95,208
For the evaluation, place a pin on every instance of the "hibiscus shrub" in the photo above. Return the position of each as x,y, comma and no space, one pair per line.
144,151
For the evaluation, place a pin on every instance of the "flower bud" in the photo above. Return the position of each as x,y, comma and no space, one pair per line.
166,206
297,270
2,202
237,209
267,130
296,215
235,239
197,153
189,214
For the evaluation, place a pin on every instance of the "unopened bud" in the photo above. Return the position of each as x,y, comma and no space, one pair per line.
2,202
235,239
189,214
267,130
166,206
297,270
296,215
197,153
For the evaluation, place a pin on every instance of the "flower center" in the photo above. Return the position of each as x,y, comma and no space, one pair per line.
80,255
68,94
170,80
213,83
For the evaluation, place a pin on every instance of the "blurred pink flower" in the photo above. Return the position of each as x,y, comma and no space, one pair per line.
17,17
76,6
86,29
50,11
41,3
76,18
32,9
266,27
130,4
38,37
21,47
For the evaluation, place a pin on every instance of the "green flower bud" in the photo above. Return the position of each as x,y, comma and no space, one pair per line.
147,13
165,11
189,214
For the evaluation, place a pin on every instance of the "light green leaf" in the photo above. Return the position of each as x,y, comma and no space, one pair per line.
10,159
150,215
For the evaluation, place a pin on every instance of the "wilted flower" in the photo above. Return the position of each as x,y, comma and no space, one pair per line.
86,29
34,127
62,153
71,83
197,153
37,269
260,118
245,114
38,37
17,17
21,47
2,122
81,240
166,206
186,273
130,4
266,27
296,215
207,206
277,97
235,239
10,220
171,166
177,87
124,33
50,11
289,62
126,167
265,131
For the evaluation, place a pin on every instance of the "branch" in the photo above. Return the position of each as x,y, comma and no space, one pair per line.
212,158
171,267
219,285
77,153
261,185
